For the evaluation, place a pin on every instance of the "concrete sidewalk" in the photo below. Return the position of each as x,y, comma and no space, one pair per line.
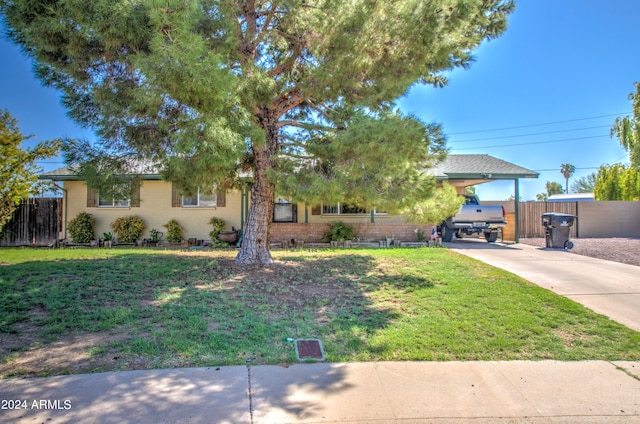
609,288
384,392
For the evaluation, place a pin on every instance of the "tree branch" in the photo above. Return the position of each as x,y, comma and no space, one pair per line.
294,156
305,125
292,141
317,109
286,101
246,46
298,43
267,22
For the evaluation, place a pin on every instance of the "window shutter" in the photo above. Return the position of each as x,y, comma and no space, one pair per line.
135,197
175,197
221,198
92,198
316,210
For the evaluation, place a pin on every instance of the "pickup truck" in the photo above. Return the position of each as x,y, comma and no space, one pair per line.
474,218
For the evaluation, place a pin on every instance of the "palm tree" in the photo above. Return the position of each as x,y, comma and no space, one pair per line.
567,170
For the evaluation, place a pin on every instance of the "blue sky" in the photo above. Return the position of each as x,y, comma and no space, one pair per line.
560,74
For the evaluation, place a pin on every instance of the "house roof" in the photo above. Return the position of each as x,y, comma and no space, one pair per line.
146,169
60,174
479,167
454,167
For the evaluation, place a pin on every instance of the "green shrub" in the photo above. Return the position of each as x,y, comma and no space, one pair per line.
81,228
128,228
339,231
174,231
218,225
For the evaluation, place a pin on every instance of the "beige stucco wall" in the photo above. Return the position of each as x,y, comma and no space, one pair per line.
155,209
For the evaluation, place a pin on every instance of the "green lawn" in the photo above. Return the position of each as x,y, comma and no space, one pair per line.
148,308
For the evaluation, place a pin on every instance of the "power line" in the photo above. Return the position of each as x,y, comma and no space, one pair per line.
589,167
531,143
529,134
580,168
539,125
618,160
558,169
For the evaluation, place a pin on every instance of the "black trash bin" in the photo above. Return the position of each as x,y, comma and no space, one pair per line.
557,228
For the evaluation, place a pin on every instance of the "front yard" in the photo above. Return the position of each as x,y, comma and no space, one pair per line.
90,310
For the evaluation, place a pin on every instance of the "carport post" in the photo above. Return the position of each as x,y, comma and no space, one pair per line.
242,209
517,208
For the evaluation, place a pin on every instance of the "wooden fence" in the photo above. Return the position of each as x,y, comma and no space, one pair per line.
36,222
531,217
595,219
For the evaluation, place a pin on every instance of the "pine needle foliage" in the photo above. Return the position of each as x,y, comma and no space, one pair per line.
298,94
442,205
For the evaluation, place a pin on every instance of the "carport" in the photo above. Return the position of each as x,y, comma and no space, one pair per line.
463,171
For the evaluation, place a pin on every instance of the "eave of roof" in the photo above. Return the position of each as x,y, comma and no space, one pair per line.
67,174
454,167
483,176
479,167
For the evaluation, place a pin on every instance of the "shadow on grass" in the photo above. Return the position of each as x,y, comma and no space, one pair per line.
150,310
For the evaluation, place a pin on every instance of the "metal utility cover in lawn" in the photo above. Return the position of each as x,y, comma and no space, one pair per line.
309,349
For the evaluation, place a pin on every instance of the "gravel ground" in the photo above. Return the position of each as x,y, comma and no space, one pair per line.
624,250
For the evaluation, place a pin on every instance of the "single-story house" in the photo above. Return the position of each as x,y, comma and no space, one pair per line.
157,201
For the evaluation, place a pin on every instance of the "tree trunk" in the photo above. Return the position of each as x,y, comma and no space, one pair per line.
255,240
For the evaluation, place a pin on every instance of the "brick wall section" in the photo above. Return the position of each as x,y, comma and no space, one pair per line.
313,233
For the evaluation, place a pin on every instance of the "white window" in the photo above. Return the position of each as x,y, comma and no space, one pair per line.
285,211
346,209
200,200
107,200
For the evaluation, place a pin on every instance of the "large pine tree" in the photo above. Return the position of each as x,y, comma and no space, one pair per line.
299,94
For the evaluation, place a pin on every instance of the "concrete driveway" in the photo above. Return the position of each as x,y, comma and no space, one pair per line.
609,288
